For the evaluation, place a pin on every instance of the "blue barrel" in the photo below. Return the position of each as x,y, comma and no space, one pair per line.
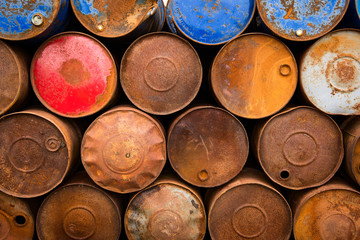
209,22
301,20
24,20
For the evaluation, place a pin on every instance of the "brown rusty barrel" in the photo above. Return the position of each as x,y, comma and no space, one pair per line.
168,209
124,150
14,78
38,149
299,148
248,207
207,146
160,73
79,210
329,212
16,218
254,75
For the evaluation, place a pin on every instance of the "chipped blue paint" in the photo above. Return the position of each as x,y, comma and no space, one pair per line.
357,4
86,7
211,21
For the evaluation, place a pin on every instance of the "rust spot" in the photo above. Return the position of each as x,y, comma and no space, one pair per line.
74,72
194,204
290,14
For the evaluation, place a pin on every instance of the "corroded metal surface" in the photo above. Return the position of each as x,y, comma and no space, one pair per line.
210,22
301,20
74,75
248,207
37,151
14,78
168,209
329,212
124,150
300,148
160,73
22,20
79,210
207,146
254,76
114,18
330,73
16,219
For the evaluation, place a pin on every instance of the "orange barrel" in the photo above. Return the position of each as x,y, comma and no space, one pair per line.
248,207
351,133
124,150
160,73
79,210
74,75
16,218
330,73
207,146
254,75
38,150
168,209
14,78
299,148
329,212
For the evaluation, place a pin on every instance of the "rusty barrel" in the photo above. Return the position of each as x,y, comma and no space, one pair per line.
301,20
248,207
330,73
168,209
74,75
24,20
207,146
124,150
329,212
124,18
38,150
254,76
14,78
160,73
79,210
16,218
209,22
299,148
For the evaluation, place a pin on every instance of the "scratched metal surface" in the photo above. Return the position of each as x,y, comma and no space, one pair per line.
211,21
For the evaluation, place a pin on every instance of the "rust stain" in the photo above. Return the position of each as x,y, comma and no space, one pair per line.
74,72
290,14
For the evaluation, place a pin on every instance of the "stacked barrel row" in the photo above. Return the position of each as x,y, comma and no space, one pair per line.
239,120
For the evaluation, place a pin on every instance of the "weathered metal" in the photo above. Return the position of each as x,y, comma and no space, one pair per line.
330,73
23,20
168,209
301,20
79,210
16,219
38,149
299,148
160,73
124,150
74,75
209,22
248,207
14,77
207,146
329,212
114,18
254,75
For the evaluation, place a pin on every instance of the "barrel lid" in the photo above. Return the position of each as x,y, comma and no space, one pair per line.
160,73
254,75
73,75
301,20
211,22
78,211
21,20
113,18
300,148
207,146
165,211
124,150
330,73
